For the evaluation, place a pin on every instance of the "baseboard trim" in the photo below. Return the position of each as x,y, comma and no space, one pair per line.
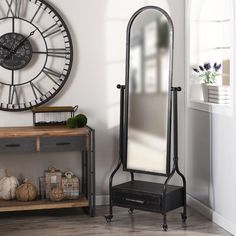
211,214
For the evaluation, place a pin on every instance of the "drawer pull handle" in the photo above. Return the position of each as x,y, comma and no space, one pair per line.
12,145
136,201
63,143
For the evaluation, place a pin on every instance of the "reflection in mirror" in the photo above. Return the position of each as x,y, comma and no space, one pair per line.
150,70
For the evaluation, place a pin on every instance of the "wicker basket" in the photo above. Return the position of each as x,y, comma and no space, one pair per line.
70,186
53,179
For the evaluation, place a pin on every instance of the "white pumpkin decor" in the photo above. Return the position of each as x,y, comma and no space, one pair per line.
8,185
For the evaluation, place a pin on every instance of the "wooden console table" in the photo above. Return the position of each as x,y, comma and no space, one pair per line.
45,139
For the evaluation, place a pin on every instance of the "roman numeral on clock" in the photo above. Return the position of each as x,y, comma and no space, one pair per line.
36,90
56,52
13,96
14,7
53,29
48,71
35,14
59,52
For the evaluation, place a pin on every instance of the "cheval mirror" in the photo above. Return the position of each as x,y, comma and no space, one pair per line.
146,103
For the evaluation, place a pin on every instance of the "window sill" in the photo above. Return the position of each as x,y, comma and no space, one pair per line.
222,109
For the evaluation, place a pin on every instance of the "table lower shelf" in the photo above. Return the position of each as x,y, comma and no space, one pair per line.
7,206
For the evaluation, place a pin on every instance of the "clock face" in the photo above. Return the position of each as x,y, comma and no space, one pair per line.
36,53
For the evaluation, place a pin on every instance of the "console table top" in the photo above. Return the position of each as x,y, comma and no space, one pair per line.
31,131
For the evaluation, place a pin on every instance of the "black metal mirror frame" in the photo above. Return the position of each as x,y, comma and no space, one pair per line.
126,102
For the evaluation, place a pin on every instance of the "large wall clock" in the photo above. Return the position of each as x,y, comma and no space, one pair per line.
36,53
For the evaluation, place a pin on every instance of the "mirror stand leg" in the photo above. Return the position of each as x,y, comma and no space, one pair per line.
184,213
122,88
164,226
131,211
110,216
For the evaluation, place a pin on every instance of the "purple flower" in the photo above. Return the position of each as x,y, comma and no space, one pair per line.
217,67
196,70
201,68
207,66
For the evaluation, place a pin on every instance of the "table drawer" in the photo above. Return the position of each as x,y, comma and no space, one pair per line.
17,145
67,143
136,201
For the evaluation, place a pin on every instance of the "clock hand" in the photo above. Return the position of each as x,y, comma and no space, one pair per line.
4,47
22,42
13,51
13,24
10,51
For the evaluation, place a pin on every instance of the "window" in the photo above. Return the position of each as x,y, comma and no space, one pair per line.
209,35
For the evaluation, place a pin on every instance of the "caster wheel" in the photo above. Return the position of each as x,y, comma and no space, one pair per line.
108,218
165,227
131,211
184,217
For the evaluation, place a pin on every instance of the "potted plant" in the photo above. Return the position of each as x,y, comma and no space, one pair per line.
207,75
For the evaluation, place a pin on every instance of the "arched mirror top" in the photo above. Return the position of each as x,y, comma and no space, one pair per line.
152,30
153,12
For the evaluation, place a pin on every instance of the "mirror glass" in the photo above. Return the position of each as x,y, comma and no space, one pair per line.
148,80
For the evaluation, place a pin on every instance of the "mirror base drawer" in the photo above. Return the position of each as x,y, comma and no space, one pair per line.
137,201
147,196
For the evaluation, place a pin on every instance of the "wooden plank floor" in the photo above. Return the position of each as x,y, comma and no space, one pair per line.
73,222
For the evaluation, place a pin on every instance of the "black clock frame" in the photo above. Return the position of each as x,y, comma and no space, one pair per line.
52,9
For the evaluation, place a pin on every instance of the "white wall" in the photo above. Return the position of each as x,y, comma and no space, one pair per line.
210,161
210,164
98,30
210,158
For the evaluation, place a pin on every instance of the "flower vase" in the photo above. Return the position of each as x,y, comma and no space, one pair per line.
205,92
